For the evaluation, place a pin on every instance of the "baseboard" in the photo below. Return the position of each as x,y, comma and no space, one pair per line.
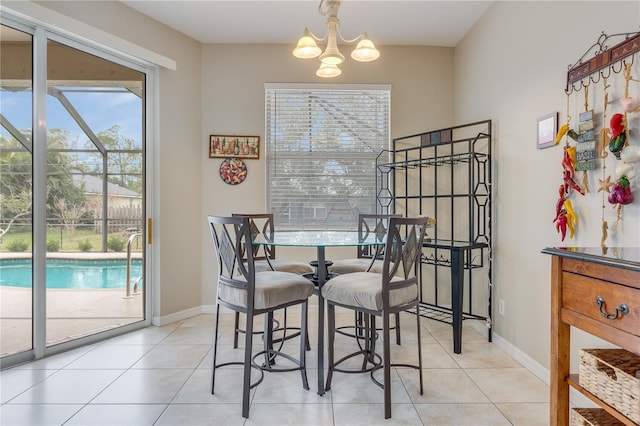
527,362
538,370
181,315
208,309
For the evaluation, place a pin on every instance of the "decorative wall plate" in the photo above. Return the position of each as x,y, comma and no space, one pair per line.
233,171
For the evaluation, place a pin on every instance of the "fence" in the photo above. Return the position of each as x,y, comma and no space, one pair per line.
125,219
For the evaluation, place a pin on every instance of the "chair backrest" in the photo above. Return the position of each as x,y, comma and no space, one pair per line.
260,223
402,253
373,223
235,264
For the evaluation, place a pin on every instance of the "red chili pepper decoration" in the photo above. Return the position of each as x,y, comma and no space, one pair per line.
561,224
564,217
570,183
560,202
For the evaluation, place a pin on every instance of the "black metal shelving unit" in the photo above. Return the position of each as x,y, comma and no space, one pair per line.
446,174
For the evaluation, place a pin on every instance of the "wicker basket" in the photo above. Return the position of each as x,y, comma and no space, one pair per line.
592,417
613,375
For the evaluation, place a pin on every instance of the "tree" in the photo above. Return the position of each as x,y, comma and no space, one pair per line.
15,186
60,185
124,159
16,182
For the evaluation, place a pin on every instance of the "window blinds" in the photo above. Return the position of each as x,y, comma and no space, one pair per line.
321,146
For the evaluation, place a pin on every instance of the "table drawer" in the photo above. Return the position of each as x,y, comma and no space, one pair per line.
606,273
580,294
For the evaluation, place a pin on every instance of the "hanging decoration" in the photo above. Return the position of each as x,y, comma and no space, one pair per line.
586,144
233,171
620,194
586,150
604,61
618,134
605,183
565,215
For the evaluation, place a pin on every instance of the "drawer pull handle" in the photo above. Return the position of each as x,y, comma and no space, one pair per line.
621,309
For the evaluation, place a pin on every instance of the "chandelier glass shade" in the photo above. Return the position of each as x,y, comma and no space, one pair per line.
328,70
307,47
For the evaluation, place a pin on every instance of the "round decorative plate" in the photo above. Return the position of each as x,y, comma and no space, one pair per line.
233,171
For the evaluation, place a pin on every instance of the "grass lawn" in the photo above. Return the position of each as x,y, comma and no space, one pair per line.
61,240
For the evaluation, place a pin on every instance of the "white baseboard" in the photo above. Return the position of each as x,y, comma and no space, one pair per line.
537,369
181,315
208,309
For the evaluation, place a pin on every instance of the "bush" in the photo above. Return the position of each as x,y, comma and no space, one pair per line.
116,243
84,245
18,245
53,245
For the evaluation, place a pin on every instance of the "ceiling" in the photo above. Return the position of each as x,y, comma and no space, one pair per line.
414,22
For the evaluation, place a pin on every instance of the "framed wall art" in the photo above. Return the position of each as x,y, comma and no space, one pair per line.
234,146
547,130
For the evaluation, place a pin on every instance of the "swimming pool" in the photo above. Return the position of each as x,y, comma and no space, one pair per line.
72,274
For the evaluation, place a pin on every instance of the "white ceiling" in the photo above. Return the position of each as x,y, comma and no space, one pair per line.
415,22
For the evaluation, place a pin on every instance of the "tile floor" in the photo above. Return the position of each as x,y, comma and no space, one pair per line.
161,376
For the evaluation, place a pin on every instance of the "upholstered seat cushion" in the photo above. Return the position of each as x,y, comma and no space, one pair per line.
364,289
273,288
347,266
283,266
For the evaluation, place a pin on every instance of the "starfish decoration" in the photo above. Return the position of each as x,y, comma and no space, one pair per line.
605,185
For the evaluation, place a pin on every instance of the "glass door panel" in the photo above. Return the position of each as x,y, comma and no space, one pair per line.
16,201
95,194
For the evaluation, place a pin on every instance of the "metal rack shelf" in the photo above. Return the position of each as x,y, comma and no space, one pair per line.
446,174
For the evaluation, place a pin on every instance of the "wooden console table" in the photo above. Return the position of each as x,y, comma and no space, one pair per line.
587,292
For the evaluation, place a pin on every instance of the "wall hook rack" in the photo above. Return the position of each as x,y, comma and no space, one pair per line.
604,60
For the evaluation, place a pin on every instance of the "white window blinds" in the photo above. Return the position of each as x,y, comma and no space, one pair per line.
321,144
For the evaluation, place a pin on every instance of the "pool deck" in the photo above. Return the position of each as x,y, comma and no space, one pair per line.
70,313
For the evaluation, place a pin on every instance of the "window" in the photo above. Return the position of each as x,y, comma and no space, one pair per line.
321,144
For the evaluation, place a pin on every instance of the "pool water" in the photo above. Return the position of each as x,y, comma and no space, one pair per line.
71,274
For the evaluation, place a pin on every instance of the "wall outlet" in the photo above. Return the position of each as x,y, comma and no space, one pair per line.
501,306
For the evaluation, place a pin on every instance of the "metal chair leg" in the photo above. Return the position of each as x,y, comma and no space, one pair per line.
304,340
419,353
365,331
215,349
236,325
267,339
359,323
331,336
386,365
246,380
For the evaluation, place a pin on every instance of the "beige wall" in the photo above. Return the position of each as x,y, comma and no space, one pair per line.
512,68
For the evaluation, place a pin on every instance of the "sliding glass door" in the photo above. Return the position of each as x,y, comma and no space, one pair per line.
94,206
16,190
72,254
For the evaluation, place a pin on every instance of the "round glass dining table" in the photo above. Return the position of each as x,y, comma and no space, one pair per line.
320,239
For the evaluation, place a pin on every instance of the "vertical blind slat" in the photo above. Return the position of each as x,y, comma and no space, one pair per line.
321,146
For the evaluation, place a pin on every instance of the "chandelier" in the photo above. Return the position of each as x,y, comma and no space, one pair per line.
307,48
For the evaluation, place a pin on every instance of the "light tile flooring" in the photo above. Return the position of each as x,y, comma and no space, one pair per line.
161,376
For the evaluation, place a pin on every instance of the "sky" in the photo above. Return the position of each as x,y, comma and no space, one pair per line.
100,110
